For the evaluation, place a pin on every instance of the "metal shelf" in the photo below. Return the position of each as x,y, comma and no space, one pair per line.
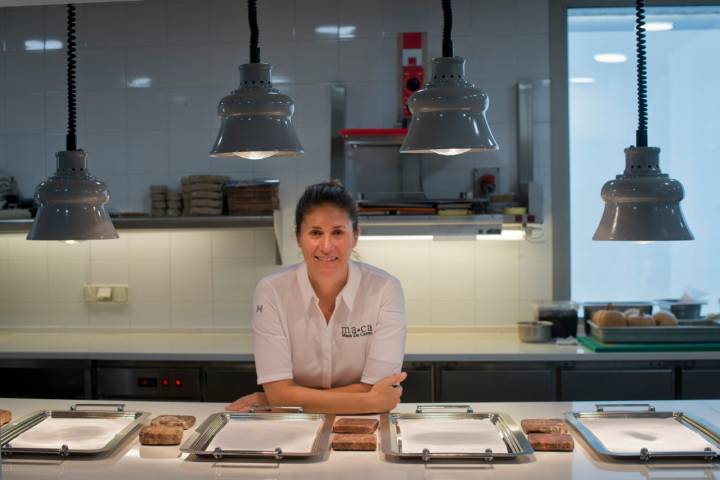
134,223
441,226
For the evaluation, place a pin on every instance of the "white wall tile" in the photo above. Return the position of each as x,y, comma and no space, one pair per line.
453,279
190,109
228,21
191,280
152,245
312,106
232,314
535,278
24,113
316,142
115,249
233,279
23,72
223,62
187,65
97,31
28,314
22,24
418,312
452,313
104,110
19,248
317,23
147,67
5,320
150,314
101,68
413,275
188,22
316,61
234,243
55,19
55,112
265,245
497,279
278,19
496,313
66,279
494,17
28,280
410,16
146,109
68,314
54,72
189,152
533,56
26,160
148,23
111,272
192,314
190,244
108,315
4,280
532,17
117,186
106,153
281,56
366,17
149,280
147,152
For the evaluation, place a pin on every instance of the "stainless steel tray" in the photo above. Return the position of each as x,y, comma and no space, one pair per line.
515,442
201,441
703,429
677,334
15,429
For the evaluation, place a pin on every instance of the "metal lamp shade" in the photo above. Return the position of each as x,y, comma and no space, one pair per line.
71,203
642,204
256,119
448,115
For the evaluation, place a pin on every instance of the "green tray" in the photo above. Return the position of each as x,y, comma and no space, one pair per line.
597,346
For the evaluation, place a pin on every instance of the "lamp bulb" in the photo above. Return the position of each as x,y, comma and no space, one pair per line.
256,155
450,151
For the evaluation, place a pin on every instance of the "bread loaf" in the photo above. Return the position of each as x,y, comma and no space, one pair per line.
355,425
543,425
609,318
5,417
665,319
551,442
184,421
641,321
208,179
362,442
161,435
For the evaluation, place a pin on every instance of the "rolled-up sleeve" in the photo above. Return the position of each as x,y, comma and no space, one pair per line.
385,356
273,357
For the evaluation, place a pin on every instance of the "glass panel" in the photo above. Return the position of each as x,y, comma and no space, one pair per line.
683,120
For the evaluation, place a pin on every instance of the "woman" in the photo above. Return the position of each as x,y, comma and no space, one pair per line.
329,333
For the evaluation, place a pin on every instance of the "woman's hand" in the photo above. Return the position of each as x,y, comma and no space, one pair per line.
243,404
386,393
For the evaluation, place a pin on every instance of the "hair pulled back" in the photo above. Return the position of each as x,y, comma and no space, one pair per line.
326,193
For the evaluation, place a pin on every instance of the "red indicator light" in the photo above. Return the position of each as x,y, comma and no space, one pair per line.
165,382
178,382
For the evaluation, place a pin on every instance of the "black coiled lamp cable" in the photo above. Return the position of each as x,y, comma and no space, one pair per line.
447,46
254,32
70,139
641,132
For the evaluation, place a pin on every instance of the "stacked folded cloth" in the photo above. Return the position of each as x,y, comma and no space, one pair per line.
203,194
158,198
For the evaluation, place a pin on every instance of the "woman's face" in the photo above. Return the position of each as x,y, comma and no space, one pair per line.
326,240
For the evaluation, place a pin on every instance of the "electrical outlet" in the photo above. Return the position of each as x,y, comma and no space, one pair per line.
105,293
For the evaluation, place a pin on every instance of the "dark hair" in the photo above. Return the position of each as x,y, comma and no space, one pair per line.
332,192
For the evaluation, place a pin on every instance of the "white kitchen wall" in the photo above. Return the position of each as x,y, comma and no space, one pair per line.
150,75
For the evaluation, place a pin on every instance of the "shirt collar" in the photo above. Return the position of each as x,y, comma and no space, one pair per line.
348,293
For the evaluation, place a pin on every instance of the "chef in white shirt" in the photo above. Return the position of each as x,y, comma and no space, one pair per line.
329,333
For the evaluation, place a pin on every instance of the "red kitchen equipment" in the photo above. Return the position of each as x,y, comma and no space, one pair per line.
412,59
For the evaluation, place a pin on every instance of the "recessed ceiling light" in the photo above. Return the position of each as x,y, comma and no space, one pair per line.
658,26
610,57
582,80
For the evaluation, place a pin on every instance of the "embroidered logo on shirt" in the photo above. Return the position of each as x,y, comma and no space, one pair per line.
258,308
351,332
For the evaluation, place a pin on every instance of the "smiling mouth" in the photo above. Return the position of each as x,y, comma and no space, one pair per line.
326,259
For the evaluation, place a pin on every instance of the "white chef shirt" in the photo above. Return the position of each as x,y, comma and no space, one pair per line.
363,342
